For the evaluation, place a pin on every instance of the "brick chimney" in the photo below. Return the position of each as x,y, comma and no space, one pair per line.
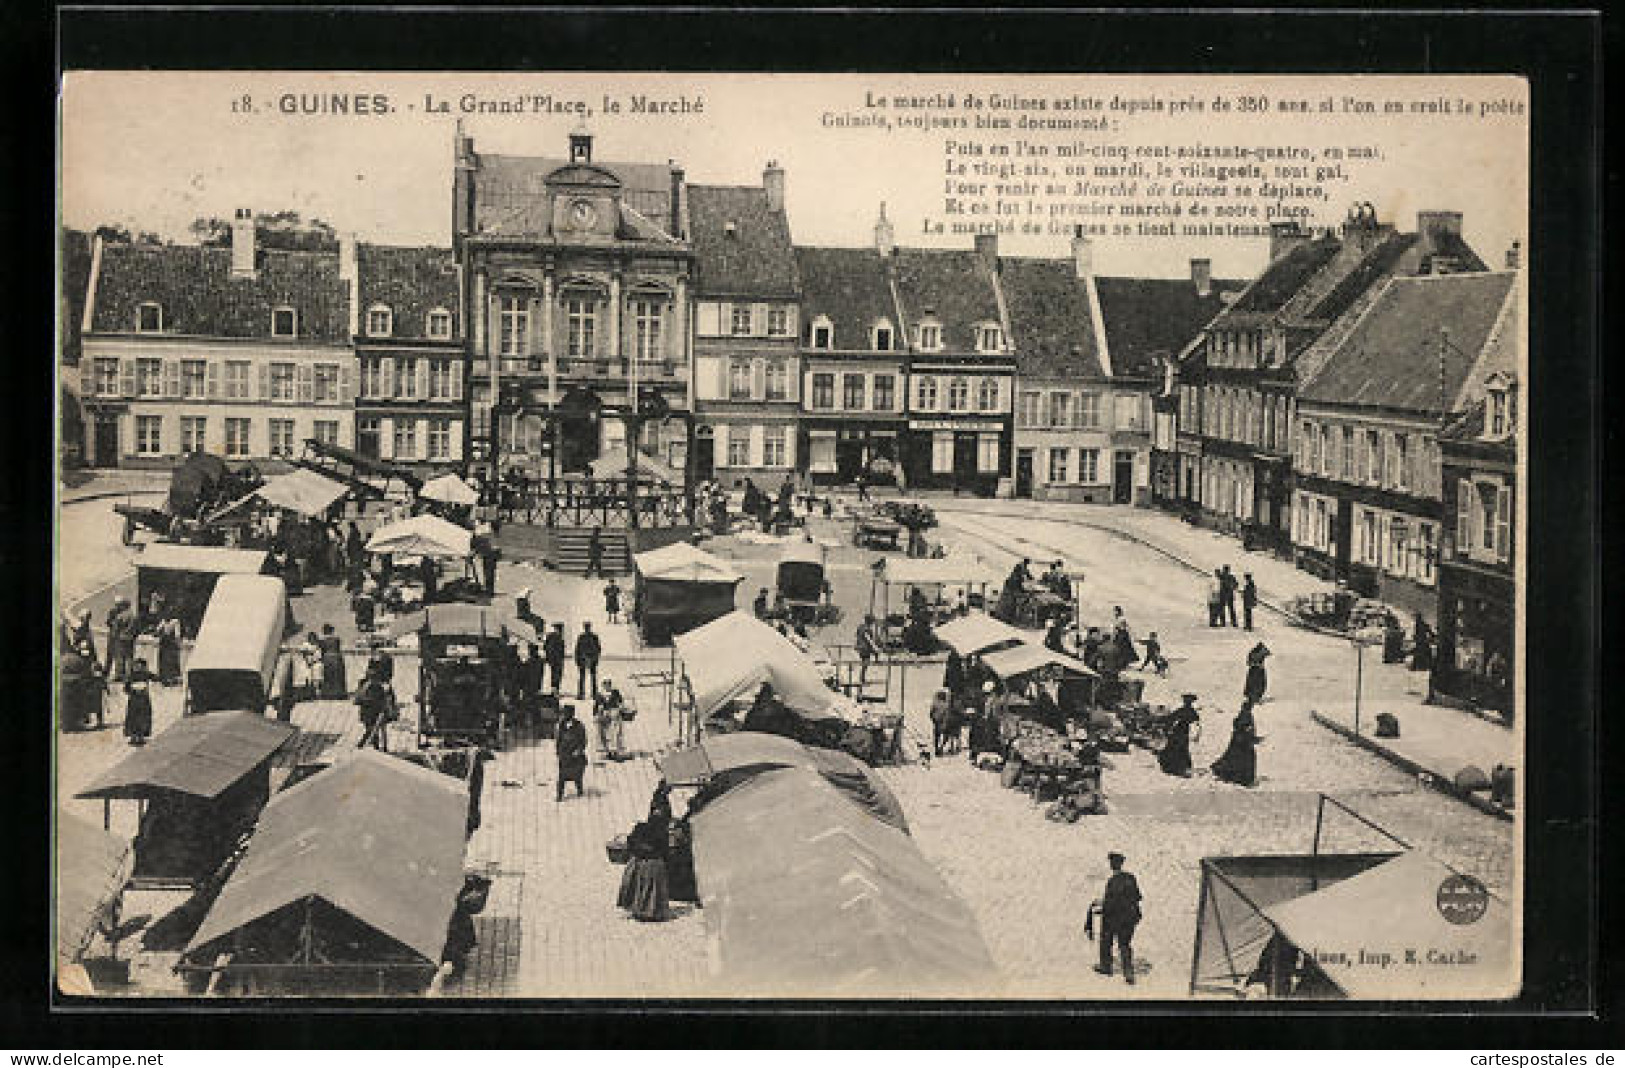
773,185
1438,222
1083,254
581,143
676,228
885,237
1286,236
242,244
462,186
350,276
987,247
1202,276
1514,258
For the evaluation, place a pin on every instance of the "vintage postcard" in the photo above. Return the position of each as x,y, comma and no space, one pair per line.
642,535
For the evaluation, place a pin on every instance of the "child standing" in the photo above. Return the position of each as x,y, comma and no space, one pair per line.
612,601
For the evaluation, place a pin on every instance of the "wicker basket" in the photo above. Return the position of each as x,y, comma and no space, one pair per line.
617,849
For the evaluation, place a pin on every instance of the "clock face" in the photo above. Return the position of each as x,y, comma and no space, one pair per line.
583,214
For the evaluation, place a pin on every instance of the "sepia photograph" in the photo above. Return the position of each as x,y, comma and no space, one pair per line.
911,536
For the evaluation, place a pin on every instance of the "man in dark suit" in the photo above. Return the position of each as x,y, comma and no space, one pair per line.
1119,915
588,652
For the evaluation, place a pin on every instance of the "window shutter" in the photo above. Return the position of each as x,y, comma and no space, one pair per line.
305,385
126,377
757,433
758,318
212,377
709,319
1464,516
458,368
1503,523
386,438
386,376
758,379
346,383
172,378
423,378
454,443
265,381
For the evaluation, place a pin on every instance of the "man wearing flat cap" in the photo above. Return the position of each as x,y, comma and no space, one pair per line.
1119,915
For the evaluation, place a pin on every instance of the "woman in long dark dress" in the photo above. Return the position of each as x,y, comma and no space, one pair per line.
646,885
169,651
1239,762
953,674
138,704
1257,678
1175,756
334,686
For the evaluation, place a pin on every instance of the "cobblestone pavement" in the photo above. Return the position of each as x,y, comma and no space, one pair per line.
551,928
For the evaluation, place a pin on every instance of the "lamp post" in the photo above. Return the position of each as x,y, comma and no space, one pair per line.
1360,640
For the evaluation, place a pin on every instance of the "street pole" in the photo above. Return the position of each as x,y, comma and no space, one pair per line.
1359,665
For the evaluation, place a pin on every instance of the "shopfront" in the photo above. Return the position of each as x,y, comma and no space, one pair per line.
964,455
1477,637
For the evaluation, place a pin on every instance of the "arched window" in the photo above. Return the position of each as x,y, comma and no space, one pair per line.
958,394
380,321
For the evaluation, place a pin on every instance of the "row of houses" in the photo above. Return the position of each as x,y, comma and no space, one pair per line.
572,278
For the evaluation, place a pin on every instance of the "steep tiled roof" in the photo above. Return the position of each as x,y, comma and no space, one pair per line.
200,297
849,287
951,284
1467,425
510,192
411,281
1281,280
1391,358
75,279
741,245
1050,318
1148,320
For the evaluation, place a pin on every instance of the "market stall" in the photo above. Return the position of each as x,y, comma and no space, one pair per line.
422,535
236,663
348,885
302,491
611,465
802,584
92,867
449,489
186,576
199,785
679,587
936,575
978,633
807,896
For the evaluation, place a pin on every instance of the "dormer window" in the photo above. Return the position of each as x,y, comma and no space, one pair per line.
439,324
284,322
929,337
989,338
883,338
1501,414
380,321
149,318
823,333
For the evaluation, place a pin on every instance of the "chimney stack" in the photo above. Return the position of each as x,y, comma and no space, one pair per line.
581,143
1515,256
462,185
1202,276
1286,236
677,201
350,276
1438,222
987,247
1083,253
773,185
242,244
885,237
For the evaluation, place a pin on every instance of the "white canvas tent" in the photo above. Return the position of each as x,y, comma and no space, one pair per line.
978,632
449,489
422,535
729,658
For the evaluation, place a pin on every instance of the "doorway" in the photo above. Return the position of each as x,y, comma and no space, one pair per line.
1123,478
964,461
106,440
1024,472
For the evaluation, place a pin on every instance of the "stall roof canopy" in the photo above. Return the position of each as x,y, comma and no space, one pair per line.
208,559
729,658
682,562
1389,909
1027,657
363,464
422,535
302,490
91,869
450,489
376,836
945,571
977,633
612,464
197,755
801,551
746,751
808,896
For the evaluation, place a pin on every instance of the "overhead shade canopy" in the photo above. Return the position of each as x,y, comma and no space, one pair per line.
977,632
807,896
682,562
467,619
801,551
731,657
422,535
451,489
612,464
1026,658
1391,909
242,627
749,752
302,490
374,836
946,571
91,869
164,556
200,756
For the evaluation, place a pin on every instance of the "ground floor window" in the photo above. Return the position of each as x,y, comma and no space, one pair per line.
368,436
149,438
1088,465
942,453
406,439
439,439
237,438
821,454
326,431
282,437
1058,464
738,446
774,451
193,428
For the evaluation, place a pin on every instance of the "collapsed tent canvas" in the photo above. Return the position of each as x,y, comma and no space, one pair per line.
806,896
91,868
729,658
374,837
